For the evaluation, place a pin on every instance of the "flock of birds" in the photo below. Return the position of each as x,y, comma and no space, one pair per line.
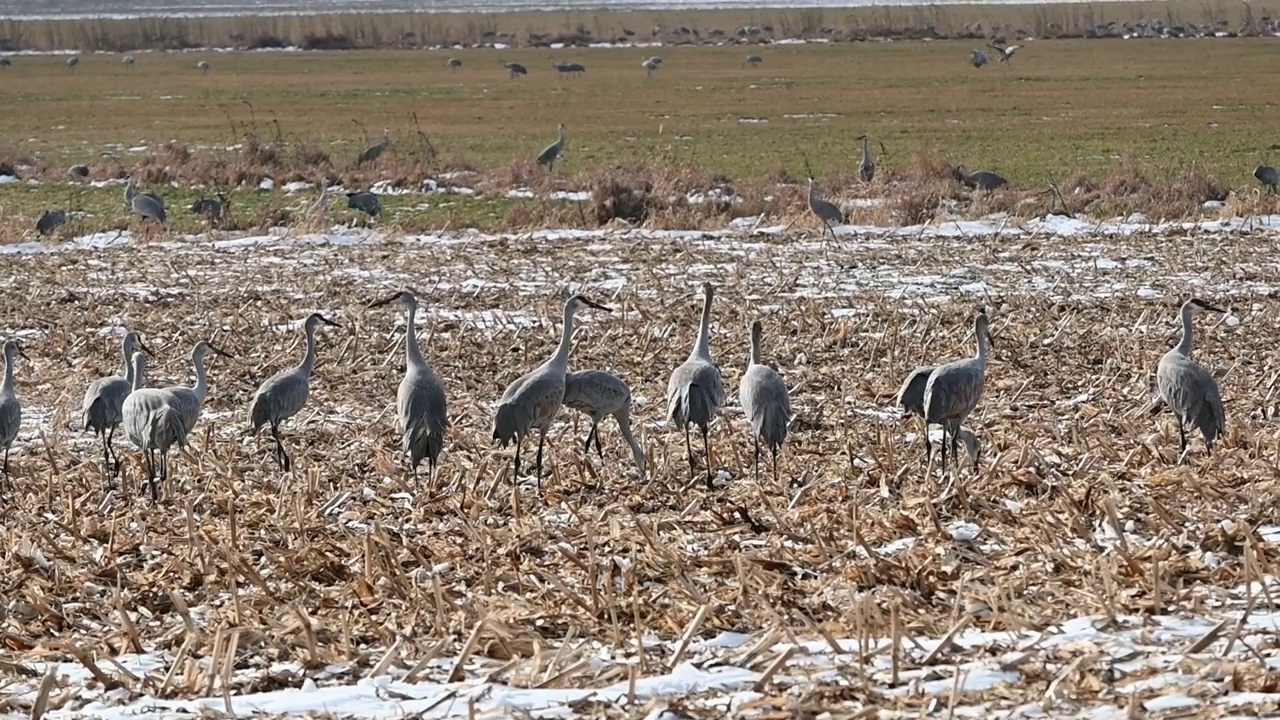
156,420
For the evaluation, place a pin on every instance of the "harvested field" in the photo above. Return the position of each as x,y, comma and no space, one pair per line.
1077,571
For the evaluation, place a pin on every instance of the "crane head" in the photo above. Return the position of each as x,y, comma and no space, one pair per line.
578,302
1197,306
315,319
12,350
708,289
982,327
404,297
204,349
133,343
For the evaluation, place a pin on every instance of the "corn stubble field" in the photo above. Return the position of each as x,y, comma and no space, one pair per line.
852,584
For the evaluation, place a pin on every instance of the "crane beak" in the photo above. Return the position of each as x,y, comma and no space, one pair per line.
384,301
22,354
143,347
329,322
596,305
1211,308
223,353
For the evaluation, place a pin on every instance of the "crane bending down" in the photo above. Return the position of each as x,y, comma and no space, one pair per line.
695,391
827,212
597,394
979,179
1187,388
867,168
911,399
10,407
977,58
50,220
375,151
753,61
953,390
147,204
533,399
1268,176
765,402
453,64
422,416
514,68
104,399
282,395
552,152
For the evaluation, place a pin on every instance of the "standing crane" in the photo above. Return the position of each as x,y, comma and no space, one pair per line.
1187,388
1268,176
911,399
753,60
422,415
10,407
533,399
597,394
979,179
765,402
282,395
128,61
375,151
72,62
514,68
827,212
867,168
977,58
953,390
453,64
552,152
695,391
104,400
152,422
210,209
147,204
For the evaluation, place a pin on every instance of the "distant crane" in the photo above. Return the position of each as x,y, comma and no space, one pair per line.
953,390
365,202
1268,176
282,395
827,212
375,151
977,58
765,403
1187,388
72,62
422,414
10,407
211,209
104,400
79,172
569,68
867,168
453,64
695,391
598,394
552,152
50,220
128,61
514,68
979,179
204,66
1004,53
651,65
753,61
147,204
5,62
911,399
533,399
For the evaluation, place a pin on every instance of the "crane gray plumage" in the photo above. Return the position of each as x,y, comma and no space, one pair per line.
552,152
5,62
1004,53
375,151
598,394
826,211
104,401
867,168
977,58
651,65
79,172
210,208
147,204
72,62
365,202
765,403
954,389
204,66
695,391
514,68
979,179
533,399
568,68
188,401
50,220
422,415
10,406
1268,176
282,395
153,423
753,61
911,399
453,63
128,61
1187,388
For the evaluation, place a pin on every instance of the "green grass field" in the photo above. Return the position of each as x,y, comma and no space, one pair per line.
1059,108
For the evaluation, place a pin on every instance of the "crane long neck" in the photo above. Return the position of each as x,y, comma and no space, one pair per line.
866,153
8,373
1184,346
128,365
624,424
202,383
137,373
703,347
755,347
309,360
561,358
981,331
412,352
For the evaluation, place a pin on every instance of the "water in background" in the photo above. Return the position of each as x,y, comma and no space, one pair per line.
17,9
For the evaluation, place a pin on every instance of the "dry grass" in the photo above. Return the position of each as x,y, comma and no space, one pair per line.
333,564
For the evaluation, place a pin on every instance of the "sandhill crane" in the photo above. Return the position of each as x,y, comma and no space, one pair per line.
695,391
365,202
422,415
1004,53
597,394
533,399
977,58
79,172
979,179
569,68
50,220
104,400
72,62
153,423
911,399
453,63
866,168
128,61
375,151
210,209
953,390
147,204
552,152
282,395
1187,388
204,66
651,65
827,212
514,68
10,407
765,403
1268,176
753,61
5,62
189,400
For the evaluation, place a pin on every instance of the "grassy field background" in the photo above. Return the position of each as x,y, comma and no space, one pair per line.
1058,109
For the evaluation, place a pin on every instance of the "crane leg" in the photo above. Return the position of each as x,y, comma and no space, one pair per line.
586,448
111,448
955,443
542,437
775,466
928,445
6,462
106,457
596,432
518,439
282,457
944,449
1182,433
757,460
706,452
688,450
